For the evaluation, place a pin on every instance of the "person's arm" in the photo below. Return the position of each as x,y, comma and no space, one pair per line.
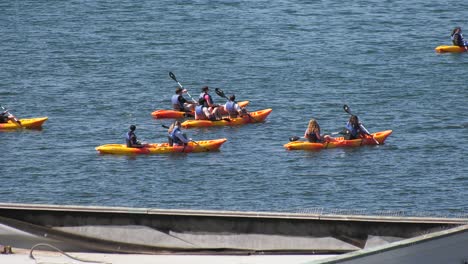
363,129
182,100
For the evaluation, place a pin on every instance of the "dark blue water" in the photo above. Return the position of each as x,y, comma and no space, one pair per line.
95,67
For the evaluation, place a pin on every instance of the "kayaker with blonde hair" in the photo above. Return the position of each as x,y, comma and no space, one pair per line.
312,133
176,137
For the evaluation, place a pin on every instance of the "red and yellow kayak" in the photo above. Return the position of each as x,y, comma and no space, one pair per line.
163,148
447,48
29,123
181,114
254,117
340,142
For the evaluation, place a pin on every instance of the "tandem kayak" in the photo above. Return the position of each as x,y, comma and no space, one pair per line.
340,142
29,123
447,48
181,114
253,117
163,148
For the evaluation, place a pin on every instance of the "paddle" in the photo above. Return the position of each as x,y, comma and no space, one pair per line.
173,77
348,110
164,126
221,94
13,118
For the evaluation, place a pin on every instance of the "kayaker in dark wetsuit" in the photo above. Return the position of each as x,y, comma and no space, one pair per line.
179,103
5,116
354,129
131,139
457,38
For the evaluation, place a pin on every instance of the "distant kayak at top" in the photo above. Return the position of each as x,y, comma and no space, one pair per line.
450,48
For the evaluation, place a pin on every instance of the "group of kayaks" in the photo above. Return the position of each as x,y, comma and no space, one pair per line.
207,145
190,122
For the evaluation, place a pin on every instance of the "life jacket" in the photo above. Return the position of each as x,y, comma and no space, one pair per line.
131,139
175,102
199,112
353,131
230,107
175,139
205,102
457,39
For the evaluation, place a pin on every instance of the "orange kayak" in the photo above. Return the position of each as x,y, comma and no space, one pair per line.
163,148
253,117
340,142
447,48
29,123
180,114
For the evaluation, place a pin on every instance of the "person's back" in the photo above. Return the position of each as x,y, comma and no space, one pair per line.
232,108
457,37
176,135
131,138
4,117
179,103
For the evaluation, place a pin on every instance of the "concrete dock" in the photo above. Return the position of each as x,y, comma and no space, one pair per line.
141,235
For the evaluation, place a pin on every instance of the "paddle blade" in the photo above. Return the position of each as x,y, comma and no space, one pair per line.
294,138
347,109
172,76
220,92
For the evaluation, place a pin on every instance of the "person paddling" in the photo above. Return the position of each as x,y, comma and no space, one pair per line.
233,108
131,139
6,116
457,38
354,129
179,103
175,135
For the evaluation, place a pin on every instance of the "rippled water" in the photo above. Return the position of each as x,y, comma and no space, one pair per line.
95,67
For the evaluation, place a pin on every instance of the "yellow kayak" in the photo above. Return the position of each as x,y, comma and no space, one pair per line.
163,148
340,142
447,48
253,117
29,123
